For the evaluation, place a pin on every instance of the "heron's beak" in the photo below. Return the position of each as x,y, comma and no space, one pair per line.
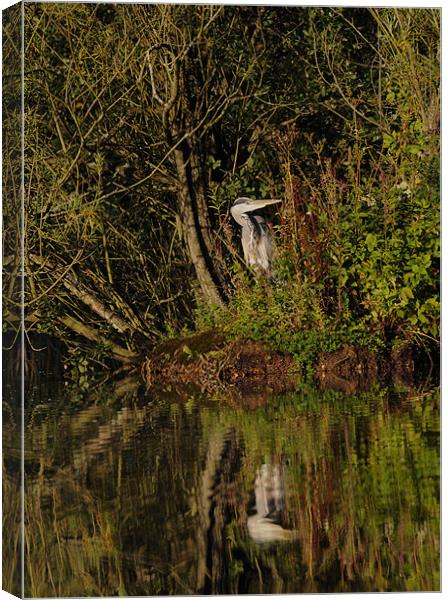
262,203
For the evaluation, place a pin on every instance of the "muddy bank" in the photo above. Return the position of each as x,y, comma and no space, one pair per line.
353,369
211,362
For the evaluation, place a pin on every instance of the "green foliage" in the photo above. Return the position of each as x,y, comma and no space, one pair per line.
286,316
253,179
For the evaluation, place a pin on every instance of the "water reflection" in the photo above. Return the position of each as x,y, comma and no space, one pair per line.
185,495
265,524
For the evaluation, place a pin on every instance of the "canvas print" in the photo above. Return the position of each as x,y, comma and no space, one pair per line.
221,269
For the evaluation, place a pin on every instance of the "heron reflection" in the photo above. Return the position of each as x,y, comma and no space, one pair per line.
264,526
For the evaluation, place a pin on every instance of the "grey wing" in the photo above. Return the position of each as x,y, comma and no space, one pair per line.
249,240
265,245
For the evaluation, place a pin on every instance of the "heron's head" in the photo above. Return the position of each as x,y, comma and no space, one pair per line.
245,205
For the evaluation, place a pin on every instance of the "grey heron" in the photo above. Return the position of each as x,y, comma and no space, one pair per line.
257,241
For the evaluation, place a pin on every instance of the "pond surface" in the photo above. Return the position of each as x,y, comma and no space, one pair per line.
133,493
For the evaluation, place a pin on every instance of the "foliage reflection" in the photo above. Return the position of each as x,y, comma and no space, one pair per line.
179,495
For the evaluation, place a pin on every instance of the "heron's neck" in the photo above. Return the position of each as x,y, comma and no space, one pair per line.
244,218
238,214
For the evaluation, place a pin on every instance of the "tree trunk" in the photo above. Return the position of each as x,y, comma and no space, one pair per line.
196,228
200,197
118,352
69,280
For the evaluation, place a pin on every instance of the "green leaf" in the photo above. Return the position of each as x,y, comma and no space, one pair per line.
371,241
388,140
413,149
405,294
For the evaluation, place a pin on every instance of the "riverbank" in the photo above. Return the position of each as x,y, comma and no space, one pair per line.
210,361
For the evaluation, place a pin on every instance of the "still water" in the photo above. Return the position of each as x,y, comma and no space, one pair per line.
136,493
